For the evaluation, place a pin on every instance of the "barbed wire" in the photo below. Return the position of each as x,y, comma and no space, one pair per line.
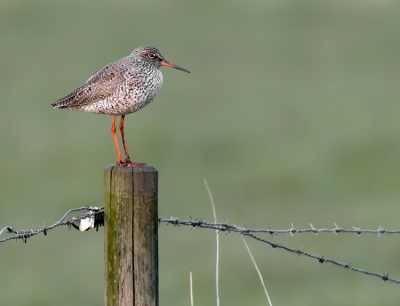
93,217
226,227
243,231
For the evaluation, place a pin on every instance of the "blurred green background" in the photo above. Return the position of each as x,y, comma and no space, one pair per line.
291,113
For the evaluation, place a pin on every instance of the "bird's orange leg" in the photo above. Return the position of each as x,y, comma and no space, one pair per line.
114,135
127,161
121,129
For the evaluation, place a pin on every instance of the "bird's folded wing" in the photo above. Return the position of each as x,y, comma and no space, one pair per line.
103,83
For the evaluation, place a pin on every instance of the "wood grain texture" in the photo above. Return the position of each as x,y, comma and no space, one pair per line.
131,235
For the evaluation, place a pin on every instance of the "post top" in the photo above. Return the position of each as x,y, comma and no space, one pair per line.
142,168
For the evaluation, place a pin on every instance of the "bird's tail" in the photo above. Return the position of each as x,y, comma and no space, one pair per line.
58,105
67,101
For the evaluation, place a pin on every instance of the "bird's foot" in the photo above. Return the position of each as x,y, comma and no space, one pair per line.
128,163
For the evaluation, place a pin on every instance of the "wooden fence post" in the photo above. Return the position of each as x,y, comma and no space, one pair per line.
131,236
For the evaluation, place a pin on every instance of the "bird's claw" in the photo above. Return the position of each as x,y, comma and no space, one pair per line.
128,163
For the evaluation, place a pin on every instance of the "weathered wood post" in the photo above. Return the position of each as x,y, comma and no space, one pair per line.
131,236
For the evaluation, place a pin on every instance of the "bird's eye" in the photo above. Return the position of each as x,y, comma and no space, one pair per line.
151,55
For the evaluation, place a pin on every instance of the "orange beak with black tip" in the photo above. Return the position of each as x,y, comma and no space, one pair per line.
168,64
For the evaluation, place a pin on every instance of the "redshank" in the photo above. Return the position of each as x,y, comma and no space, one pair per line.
120,88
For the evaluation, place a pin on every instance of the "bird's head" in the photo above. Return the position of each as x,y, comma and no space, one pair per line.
153,56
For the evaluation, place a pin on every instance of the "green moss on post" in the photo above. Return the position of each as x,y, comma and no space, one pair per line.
131,236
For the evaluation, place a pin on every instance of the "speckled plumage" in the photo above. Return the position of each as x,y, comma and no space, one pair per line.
120,88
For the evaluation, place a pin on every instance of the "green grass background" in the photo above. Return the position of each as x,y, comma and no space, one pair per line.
291,113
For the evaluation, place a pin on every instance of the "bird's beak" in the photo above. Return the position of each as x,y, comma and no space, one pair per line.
168,64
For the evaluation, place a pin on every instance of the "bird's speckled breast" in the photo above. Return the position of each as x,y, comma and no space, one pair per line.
138,90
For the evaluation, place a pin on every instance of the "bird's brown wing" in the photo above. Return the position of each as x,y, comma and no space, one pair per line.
103,83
